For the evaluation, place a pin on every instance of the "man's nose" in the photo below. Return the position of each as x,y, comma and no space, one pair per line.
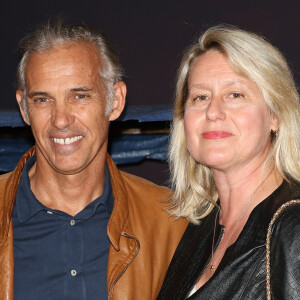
62,115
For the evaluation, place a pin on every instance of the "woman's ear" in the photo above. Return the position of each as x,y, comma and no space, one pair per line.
274,123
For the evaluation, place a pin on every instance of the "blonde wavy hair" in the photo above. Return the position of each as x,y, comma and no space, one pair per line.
250,55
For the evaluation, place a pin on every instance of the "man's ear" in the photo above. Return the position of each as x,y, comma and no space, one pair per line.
119,100
19,96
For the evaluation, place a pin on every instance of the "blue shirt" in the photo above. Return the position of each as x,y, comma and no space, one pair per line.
58,256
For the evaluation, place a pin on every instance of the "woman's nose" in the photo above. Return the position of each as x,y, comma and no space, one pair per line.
215,110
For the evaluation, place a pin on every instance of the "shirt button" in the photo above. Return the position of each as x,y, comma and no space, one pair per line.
73,273
72,222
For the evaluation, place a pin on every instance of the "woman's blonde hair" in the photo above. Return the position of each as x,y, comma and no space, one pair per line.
250,55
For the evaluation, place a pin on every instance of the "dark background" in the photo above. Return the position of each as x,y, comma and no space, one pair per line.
151,36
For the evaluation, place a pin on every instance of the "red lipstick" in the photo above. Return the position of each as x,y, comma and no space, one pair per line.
215,135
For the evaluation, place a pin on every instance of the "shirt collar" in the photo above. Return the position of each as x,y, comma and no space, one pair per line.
27,205
106,199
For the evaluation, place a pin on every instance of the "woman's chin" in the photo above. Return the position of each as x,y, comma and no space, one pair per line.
216,161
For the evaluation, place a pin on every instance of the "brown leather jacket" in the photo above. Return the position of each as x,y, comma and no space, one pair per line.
143,237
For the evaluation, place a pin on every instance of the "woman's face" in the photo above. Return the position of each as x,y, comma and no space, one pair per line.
226,120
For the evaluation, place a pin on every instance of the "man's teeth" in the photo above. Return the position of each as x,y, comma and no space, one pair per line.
67,141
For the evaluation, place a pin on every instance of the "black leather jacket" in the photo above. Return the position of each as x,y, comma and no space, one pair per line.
242,271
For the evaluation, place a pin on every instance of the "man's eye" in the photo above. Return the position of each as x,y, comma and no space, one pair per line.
40,100
200,98
80,96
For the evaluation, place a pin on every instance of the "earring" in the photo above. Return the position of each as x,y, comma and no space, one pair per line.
274,133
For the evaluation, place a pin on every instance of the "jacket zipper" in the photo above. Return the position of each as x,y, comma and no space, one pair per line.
134,256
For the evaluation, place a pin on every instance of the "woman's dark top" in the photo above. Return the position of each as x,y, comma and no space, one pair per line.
242,271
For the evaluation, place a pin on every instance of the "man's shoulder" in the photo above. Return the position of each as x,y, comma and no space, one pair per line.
151,201
7,186
4,177
142,185
146,196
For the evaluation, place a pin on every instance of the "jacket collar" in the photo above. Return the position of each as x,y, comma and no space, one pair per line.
7,199
119,221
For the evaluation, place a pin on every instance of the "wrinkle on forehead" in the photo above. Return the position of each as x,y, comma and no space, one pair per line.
81,53
76,64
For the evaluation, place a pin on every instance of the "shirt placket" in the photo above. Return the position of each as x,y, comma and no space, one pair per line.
73,251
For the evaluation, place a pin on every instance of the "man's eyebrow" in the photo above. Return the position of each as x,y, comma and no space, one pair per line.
38,93
81,89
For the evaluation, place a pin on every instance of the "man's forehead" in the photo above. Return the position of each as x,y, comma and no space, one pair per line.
64,69
76,52
82,57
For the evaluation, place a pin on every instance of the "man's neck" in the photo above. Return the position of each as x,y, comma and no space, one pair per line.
67,193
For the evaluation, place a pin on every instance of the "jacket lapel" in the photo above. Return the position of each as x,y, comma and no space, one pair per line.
8,187
191,255
125,245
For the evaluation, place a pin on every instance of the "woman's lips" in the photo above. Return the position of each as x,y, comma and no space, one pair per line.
214,135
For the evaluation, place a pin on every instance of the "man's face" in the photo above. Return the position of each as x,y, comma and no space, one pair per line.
66,102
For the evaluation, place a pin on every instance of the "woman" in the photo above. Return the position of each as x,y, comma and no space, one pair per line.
234,157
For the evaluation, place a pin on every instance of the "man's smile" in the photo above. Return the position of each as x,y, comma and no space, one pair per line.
66,141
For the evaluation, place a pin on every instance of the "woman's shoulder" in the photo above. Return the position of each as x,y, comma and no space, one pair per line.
287,216
289,206
286,192
285,251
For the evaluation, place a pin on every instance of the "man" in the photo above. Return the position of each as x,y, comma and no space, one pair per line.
72,226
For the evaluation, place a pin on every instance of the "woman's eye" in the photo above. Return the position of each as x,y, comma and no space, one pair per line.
236,95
